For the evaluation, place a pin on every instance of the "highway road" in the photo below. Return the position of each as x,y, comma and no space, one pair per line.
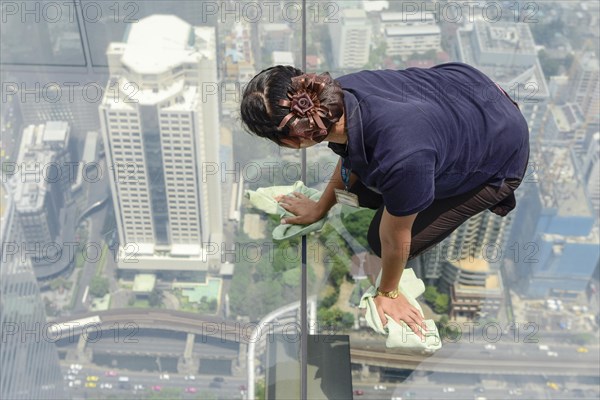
230,388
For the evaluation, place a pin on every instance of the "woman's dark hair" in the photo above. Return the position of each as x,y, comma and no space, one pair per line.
260,111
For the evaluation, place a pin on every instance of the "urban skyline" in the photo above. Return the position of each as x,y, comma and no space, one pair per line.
143,102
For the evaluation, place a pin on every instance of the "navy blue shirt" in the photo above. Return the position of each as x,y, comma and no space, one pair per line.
420,134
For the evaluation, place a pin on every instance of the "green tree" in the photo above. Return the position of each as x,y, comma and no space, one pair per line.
335,319
357,223
99,286
430,294
338,271
260,390
441,303
332,298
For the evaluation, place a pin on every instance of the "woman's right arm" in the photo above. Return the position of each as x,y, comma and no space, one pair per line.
307,211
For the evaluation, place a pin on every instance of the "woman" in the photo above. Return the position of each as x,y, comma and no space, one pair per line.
428,148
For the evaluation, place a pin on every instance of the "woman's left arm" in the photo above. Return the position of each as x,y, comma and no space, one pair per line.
395,234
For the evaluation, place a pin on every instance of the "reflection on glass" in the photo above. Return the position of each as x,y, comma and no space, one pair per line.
504,292
107,22
51,29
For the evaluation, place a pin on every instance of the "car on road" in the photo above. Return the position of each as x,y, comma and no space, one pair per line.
358,392
106,386
90,385
449,389
479,389
582,350
490,346
77,367
110,373
515,392
409,394
190,378
92,378
379,387
552,354
553,385
215,385
191,390
156,388
138,387
70,377
218,379
164,377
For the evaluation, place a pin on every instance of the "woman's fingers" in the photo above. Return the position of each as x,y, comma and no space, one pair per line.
419,318
382,316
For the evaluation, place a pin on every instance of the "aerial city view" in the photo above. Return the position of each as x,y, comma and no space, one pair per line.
152,247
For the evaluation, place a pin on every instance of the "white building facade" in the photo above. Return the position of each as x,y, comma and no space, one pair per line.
160,125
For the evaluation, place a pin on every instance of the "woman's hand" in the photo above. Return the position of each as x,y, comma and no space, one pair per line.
306,211
399,309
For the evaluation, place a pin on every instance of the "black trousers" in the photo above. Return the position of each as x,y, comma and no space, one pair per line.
443,216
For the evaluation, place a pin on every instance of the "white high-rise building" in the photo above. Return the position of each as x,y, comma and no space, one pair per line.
351,38
160,125
585,84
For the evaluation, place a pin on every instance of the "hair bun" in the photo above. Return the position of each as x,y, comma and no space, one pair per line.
315,103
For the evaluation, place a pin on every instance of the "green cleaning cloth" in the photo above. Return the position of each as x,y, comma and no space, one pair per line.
399,334
264,200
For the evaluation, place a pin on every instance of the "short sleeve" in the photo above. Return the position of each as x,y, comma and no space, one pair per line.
409,186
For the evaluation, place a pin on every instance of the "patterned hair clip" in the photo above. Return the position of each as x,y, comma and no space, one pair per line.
306,110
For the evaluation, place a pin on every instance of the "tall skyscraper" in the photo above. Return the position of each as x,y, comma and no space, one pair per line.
482,236
506,52
351,39
29,366
585,84
160,125
41,193
556,241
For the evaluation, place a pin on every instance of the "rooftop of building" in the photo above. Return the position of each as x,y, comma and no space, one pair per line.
529,79
558,182
35,160
354,13
158,43
504,36
568,117
412,30
493,283
472,264
56,131
588,61
144,283
375,5
592,238
390,16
